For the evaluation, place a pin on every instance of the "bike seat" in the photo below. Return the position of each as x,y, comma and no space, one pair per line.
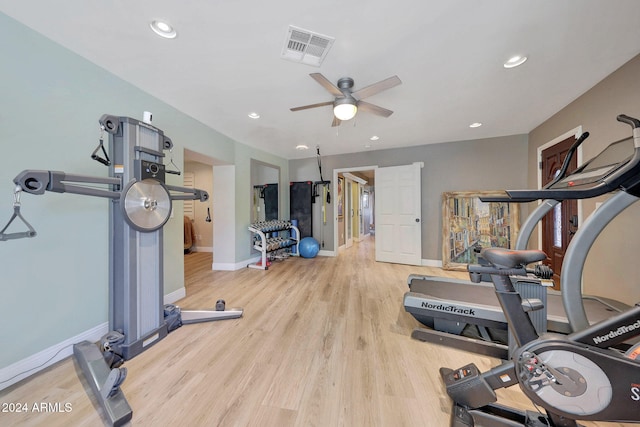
501,257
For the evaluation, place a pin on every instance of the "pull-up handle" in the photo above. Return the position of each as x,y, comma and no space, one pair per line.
16,214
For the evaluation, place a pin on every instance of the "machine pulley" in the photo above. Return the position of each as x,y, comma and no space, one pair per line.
146,204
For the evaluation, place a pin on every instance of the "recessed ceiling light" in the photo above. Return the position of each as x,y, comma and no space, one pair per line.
302,147
515,61
254,115
475,125
163,29
374,138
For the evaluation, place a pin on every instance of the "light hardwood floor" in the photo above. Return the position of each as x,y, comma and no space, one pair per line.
323,342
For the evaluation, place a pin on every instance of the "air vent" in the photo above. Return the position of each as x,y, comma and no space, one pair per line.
306,46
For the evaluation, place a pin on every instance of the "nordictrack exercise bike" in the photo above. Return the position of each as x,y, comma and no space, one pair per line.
579,376
571,377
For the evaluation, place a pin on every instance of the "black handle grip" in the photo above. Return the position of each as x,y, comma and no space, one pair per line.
634,123
173,172
101,160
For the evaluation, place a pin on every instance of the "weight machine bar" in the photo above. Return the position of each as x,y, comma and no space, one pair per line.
190,193
39,181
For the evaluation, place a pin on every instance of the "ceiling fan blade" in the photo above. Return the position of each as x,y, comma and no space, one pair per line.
376,87
336,122
370,108
333,89
306,107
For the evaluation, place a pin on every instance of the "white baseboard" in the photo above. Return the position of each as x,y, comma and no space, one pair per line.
47,357
432,263
175,295
26,367
229,266
326,253
243,264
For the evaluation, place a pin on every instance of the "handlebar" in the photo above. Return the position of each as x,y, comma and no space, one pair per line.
476,271
634,123
567,159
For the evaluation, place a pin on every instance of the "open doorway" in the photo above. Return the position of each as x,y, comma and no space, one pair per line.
198,223
355,204
201,227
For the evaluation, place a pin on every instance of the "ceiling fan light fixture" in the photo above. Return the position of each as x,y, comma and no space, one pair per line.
163,29
345,109
515,61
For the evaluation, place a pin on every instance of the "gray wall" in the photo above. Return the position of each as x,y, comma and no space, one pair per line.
612,269
484,164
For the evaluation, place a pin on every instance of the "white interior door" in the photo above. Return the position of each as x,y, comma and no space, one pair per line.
348,213
398,214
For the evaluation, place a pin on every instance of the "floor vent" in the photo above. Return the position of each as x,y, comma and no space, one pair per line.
305,46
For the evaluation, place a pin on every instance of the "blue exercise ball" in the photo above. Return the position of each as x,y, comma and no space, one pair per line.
308,247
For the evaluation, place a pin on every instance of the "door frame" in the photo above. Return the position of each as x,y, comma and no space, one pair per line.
354,205
575,132
348,211
334,186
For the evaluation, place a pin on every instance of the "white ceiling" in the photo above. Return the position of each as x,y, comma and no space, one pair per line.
225,62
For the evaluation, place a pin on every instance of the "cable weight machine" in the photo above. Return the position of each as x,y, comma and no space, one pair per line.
140,205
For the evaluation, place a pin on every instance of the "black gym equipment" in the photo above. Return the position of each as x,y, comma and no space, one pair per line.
450,307
325,196
270,194
141,203
300,206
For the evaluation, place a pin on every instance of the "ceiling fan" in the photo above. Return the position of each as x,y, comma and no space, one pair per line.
347,102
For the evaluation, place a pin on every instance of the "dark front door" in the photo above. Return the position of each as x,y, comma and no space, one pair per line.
559,225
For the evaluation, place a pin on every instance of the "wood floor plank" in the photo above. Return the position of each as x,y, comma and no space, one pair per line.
323,342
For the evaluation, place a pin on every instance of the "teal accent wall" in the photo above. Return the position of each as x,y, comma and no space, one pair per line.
55,286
